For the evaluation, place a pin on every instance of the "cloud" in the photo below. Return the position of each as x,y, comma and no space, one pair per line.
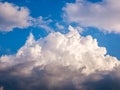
12,16
60,62
43,23
103,15
59,26
1,88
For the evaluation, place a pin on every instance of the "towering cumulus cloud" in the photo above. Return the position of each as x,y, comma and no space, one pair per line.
60,62
12,16
103,15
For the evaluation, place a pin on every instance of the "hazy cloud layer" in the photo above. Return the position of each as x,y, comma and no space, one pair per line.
60,62
12,16
104,15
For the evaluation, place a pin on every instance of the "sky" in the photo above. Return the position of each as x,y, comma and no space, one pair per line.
11,41
65,44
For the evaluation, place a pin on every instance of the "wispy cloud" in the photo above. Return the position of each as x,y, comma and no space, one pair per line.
43,23
59,26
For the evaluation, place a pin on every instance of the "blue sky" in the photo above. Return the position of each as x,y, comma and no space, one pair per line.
46,8
10,42
59,44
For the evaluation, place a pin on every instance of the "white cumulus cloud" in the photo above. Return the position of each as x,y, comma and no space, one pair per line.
104,15
12,16
59,62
